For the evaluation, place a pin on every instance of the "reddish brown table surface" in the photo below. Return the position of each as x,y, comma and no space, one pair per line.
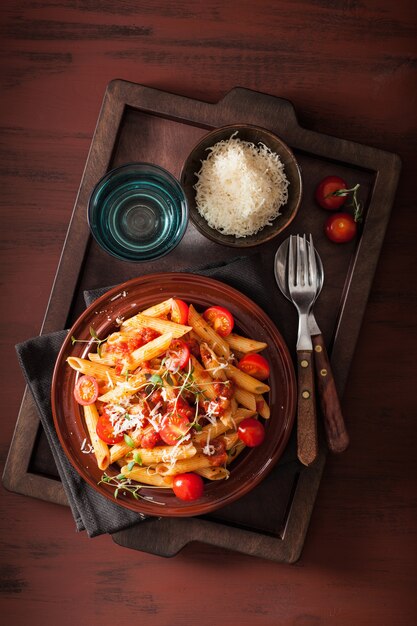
349,68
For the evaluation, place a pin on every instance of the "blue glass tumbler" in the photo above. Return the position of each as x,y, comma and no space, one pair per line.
138,212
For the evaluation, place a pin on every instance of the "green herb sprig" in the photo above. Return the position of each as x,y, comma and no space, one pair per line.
95,339
124,484
357,207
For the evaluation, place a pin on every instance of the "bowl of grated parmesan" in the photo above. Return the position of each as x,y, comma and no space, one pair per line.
243,185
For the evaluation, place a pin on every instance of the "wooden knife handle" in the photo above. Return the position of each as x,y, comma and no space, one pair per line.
336,433
307,444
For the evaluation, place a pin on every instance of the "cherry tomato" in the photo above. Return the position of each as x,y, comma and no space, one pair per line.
179,311
251,432
340,227
255,365
86,390
221,319
178,355
105,430
181,407
325,190
174,427
188,486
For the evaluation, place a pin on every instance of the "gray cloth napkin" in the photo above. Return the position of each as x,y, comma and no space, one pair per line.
37,356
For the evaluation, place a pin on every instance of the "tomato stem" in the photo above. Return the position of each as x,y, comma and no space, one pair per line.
357,207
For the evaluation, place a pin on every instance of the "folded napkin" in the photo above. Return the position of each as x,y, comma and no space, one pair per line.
37,356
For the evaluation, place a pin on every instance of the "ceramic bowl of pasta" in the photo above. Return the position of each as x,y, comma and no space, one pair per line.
243,185
173,395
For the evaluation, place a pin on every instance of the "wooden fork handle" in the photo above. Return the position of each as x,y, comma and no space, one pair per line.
307,444
336,433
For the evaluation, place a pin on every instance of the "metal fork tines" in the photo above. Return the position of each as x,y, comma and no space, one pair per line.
302,286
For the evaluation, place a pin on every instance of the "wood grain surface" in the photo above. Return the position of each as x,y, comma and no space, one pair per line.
349,67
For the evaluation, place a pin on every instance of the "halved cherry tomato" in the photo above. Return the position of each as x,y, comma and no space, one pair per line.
179,311
255,365
325,193
221,319
340,227
188,486
181,407
251,432
178,355
174,427
86,390
105,430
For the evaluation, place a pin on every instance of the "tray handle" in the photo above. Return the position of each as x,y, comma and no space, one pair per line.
256,107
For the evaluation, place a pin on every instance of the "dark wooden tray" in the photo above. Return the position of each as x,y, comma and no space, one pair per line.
137,123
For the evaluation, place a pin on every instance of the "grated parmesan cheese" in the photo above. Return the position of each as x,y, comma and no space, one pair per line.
241,187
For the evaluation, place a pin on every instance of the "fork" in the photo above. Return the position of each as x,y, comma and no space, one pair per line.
302,286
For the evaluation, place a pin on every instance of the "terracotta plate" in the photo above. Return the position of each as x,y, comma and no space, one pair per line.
127,300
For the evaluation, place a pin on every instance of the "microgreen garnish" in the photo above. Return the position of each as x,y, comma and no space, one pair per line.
131,465
121,482
95,339
138,458
129,441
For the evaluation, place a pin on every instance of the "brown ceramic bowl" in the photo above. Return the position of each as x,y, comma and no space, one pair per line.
125,301
254,135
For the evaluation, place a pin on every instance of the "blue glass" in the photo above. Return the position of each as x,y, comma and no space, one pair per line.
138,212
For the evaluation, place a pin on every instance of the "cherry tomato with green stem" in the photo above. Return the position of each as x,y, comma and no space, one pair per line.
328,193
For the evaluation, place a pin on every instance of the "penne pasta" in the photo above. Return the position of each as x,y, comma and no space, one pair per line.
142,475
125,389
212,431
104,359
245,398
206,332
230,439
160,325
158,310
237,343
101,450
98,370
198,461
243,380
234,452
262,407
213,473
211,362
149,351
202,379
165,454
